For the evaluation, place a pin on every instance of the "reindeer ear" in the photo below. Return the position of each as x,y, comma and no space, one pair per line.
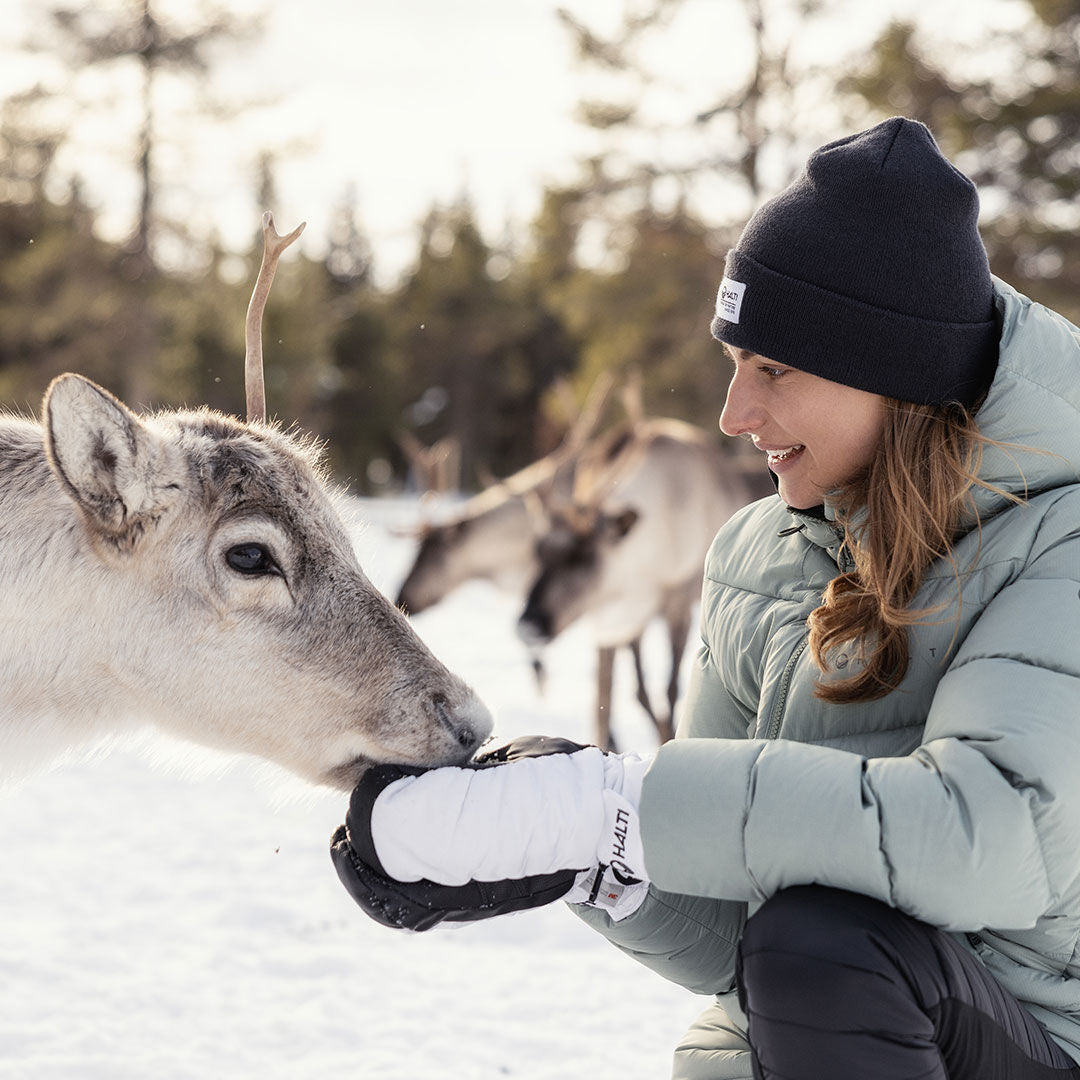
109,462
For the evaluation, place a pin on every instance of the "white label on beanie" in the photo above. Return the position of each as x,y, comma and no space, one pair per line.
729,299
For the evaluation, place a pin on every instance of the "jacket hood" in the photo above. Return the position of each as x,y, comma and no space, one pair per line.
1033,404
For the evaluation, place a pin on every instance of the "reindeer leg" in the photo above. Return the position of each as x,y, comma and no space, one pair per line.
677,616
605,667
539,673
642,691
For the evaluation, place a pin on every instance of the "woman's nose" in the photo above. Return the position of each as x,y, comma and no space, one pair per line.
742,413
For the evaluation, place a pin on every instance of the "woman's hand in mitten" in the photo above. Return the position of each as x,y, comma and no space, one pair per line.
537,820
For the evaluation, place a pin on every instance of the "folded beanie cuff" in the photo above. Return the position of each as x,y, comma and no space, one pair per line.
836,337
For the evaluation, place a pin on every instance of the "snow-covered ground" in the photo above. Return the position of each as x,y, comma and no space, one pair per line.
169,913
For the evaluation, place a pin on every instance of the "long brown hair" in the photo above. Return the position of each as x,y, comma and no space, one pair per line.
914,492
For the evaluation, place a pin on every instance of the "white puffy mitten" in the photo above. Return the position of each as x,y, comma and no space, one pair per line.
570,813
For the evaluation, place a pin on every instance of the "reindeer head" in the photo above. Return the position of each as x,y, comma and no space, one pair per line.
437,567
233,606
492,539
577,557
224,589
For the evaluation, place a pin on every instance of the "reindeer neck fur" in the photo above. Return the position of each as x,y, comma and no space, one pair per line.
51,614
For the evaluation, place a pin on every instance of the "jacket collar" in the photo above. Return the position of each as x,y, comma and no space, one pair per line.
820,527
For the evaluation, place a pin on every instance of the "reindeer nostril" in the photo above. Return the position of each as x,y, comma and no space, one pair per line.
462,732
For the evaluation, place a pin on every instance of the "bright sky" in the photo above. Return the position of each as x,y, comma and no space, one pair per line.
407,102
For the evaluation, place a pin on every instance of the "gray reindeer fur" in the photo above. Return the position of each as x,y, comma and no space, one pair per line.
120,606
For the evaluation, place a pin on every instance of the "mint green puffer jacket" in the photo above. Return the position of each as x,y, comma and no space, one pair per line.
956,798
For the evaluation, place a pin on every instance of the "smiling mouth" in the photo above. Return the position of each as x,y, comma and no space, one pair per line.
778,457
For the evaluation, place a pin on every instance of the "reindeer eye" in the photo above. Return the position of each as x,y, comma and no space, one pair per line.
252,559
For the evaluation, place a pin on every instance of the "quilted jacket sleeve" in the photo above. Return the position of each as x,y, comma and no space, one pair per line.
978,827
689,940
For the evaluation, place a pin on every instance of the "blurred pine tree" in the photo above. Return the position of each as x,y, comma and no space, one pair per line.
1013,124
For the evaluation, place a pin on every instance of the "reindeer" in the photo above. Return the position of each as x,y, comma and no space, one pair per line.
492,537
192,571
629,546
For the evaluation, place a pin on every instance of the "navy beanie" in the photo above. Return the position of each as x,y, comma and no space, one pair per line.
869,271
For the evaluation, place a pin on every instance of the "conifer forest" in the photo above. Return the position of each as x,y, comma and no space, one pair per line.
469,362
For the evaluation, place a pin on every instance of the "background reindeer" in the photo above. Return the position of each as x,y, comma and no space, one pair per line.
192,571
495,534
492,537
630,546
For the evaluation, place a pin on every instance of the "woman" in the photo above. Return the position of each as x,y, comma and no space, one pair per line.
866,838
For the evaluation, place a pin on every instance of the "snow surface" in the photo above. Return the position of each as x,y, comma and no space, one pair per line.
173,913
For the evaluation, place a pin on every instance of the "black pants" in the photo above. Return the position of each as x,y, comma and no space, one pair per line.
836,986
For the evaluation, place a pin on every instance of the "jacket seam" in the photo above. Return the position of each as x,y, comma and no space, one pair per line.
890,875
1016,373
748,802
657,896
1071,534
862,731
1009,659
757,592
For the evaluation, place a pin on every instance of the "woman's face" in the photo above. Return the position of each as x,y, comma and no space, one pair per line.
816,434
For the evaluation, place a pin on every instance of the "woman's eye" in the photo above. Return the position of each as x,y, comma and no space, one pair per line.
773,372
252,559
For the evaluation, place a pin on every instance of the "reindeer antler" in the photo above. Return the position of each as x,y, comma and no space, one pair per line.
273,246
588,417
632,396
